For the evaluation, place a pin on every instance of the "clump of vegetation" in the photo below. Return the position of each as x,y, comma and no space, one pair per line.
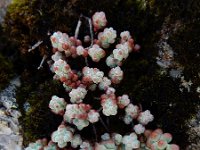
6,73
37,120
29,21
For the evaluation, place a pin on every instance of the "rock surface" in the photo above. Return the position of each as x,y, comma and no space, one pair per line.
3,7
10,136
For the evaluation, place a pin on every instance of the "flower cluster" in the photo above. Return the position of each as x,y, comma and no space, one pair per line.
63,43
57,105
104,84
109,104
79,84
65,134
81,51
80,115
92,75
99,20
65,74
122,50
130,141
132,111
123,101
145,117
96,53
139,129
77,95
116,75
159,140
107,37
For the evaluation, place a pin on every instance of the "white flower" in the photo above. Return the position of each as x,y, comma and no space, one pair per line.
125,35
107,37
116,75
61,41
118,54
127,119
77,95
80,123
109,104
110,90
131,141
93,116
96,53
62,136
105,136
145,117
123,101
105,83
76,141
112,62
56,56
132,110
117,138
81,51
62,70
77,114
139,129
99,20
86,146
57,105
121,52
94,74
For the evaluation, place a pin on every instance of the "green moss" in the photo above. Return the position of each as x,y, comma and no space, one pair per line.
6,73
38,121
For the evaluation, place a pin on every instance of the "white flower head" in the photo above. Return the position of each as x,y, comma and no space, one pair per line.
81,51
121,52
131,141
57,105
109,104
62,136
76,141
110,90
123,101
61,41
56,56
127,119
96,53
107,37
62,70
132,110
99,20
93,74
77,95
125,35
112,62
104,84
93,116
86,146
105,136
117,138
145,117
139,129
77,114
116,75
